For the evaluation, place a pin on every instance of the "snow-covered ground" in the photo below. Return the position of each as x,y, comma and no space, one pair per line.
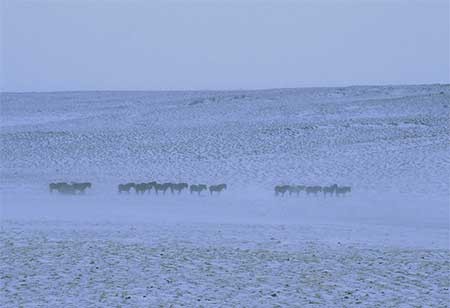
386,244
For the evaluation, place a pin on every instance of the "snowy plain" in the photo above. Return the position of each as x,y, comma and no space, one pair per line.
386,244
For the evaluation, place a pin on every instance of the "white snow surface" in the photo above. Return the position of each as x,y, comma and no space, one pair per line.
386,244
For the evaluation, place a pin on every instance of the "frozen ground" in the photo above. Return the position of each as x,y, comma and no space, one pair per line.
385,245
66,264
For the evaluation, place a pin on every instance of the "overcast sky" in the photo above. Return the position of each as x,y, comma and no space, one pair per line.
168,45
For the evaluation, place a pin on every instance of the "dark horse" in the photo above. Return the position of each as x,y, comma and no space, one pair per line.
141,188
313,189
62,188
178,187
295,189
126,187
166,186
162,187
217,188
343,190
56,186
329,190
150,185
81,187
281,189
198,188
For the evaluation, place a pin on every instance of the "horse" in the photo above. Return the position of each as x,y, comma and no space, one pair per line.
62,188
56,186
329,190
162,187
165,187
198,188
281,189
150,185
81,187
313,189
295,189
157,187
126,187
343,190
66,189
178,187
141,188
217,188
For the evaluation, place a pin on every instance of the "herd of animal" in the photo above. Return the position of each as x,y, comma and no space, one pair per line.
332,190
74,188
141,188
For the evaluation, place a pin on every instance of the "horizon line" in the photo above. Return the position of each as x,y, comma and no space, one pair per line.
235,89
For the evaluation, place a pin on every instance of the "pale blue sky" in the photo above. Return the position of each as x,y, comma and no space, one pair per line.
168,45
